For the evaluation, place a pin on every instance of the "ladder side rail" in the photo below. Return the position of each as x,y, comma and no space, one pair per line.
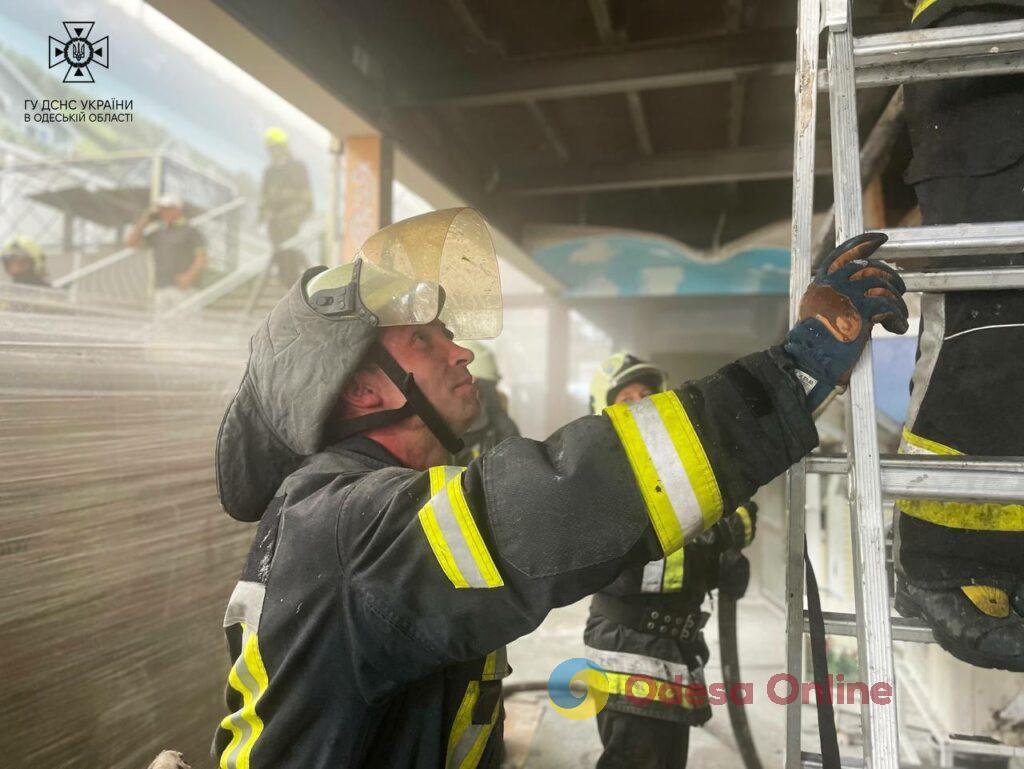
874,632
806,99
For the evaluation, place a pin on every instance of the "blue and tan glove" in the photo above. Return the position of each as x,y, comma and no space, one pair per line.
849,293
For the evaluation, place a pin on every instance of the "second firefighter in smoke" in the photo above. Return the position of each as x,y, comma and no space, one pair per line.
648,623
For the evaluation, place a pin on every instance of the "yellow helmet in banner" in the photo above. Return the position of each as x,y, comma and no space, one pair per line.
24,246
275,137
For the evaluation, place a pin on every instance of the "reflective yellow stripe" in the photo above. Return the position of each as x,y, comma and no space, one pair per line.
428,520
481,555
979,516
680,491
439,476
467,740
672,579
249,678
926,445
692,454
921,6
748,526
640,688
453,535
965,515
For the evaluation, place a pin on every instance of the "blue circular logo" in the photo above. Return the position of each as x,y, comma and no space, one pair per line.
578,688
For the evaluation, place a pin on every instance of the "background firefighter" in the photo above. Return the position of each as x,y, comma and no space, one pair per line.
961,565
24,262
648,622
286,201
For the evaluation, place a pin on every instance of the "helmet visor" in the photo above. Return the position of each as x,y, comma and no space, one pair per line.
440,264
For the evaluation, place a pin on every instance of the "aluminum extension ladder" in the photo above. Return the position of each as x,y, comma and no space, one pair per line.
874,60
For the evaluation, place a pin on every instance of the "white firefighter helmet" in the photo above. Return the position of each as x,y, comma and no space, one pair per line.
617,371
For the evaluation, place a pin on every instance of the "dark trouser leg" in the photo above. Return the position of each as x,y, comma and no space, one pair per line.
968,388
637,742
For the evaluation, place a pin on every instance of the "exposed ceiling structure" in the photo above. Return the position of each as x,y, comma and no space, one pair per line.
664,116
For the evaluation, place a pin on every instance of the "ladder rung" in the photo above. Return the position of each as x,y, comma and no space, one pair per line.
983,747
938,43
934,54
967,478
954,240
840,623
813,761
987,279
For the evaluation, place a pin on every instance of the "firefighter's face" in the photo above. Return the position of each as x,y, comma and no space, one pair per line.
17,265
633,392
440,369
169,214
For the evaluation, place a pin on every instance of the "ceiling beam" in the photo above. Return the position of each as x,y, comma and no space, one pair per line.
601,12
711,60
694,62
548,129
741,164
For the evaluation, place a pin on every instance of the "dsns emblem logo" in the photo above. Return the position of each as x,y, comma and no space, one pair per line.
78,53
578,689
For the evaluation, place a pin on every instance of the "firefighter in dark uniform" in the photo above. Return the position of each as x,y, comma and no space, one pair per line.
369,624
961,565
285,203
644,629
493,425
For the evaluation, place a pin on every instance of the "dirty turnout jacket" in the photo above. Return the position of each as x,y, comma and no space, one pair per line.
369,624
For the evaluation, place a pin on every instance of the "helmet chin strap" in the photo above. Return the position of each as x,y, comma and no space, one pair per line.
416,404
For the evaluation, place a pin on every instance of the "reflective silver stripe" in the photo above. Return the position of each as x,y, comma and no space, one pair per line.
237,720
501,668
245,734
465,744
450,471
933,318
638,664
246,606
653,573
455,540
669,467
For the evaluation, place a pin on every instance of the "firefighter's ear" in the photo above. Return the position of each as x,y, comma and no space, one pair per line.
365,391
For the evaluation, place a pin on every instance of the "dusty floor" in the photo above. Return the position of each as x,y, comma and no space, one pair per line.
537,737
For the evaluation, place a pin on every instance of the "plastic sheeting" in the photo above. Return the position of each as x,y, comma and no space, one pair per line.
115,558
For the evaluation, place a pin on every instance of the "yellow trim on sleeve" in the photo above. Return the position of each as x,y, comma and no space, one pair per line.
432,530
748,526
691,452
659,508
481,555
672,575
